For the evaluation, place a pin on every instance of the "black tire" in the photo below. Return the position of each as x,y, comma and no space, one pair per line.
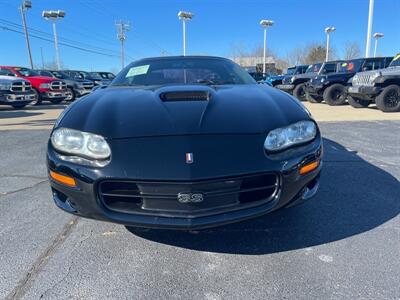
56,101
72,97
37,97
18,106
358,103
389,99
311,99
300,92
335,94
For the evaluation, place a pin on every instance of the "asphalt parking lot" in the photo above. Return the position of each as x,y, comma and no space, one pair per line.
345,243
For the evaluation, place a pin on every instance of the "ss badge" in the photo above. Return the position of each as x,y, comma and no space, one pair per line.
190,198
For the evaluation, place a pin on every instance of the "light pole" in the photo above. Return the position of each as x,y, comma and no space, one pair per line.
23,8
184,16
328,31
369,31
265,24
53,15
377,36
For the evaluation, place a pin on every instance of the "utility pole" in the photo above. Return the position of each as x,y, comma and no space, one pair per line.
23,8
122,28
369,32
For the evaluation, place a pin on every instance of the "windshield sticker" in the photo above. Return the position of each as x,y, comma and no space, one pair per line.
397,57
344,65
140,70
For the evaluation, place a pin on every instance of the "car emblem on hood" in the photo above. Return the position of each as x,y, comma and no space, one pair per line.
189,158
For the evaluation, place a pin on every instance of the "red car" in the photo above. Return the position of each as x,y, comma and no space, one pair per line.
46,88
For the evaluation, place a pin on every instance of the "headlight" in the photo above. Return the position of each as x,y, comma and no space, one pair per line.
297,133
80,143
374,76
44,85
322,80
5,86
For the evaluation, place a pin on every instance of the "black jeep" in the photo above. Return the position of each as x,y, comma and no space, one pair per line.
381,86
332,88
296,84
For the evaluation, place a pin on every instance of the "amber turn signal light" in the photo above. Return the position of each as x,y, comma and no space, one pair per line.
63,179
309,167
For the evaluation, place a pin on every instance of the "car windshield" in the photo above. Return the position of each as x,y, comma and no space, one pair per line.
396,61
107,75
188,70
349,66
290,71
60,75
328,68
26,72
95,75
313,68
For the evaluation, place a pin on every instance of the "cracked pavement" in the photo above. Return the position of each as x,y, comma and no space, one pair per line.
345,243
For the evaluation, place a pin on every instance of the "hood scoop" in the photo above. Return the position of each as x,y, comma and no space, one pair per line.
185,96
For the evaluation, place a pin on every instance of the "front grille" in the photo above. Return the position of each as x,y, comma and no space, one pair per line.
161,198
21,86
58,86
362,80
88,85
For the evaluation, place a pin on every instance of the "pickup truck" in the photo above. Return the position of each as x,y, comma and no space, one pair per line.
14,91
45,88
381,86
296,84
332,88
75,87
95,78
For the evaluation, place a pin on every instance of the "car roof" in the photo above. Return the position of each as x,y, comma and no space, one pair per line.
187,57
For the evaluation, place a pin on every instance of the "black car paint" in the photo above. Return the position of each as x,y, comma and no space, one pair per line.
149,139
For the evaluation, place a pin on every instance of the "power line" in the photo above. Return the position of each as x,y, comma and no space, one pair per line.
85,45
61,43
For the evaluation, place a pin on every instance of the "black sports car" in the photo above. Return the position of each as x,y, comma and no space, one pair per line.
182,143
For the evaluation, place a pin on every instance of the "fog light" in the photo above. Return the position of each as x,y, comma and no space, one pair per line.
309,167
66,180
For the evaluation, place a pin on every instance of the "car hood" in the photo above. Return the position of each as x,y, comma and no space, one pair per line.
124,112
341,75
42,79
387,71
287,79
8,79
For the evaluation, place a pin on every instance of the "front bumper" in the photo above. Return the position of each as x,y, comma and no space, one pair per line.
87,199
82,92
17,98
54,95
364,92
288,88
316,91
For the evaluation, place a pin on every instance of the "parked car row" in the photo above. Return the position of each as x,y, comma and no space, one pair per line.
359,82
22,86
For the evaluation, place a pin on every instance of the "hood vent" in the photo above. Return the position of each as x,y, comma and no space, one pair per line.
185,96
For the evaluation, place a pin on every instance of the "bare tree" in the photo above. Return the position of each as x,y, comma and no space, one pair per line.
351,50
315,54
